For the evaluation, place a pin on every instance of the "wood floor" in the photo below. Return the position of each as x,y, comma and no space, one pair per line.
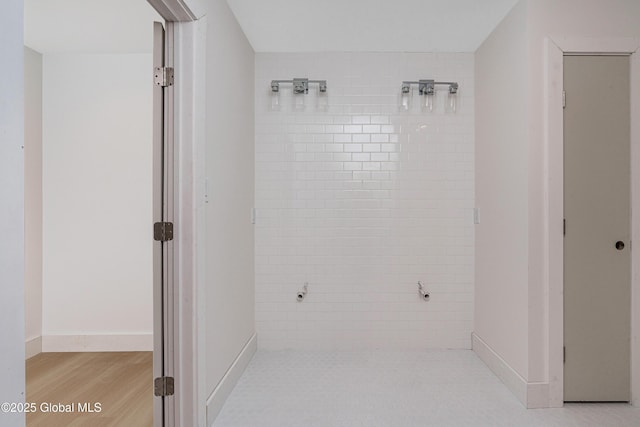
120,382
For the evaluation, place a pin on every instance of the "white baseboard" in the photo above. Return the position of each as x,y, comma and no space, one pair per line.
227,383
538,396
80,343
33,347
531,395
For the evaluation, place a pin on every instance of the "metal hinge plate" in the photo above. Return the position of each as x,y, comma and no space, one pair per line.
163,76
163,231
564,99
163,386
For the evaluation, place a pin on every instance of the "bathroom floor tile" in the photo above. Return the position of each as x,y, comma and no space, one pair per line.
437,388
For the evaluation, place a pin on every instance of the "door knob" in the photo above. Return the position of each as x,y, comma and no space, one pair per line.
619,245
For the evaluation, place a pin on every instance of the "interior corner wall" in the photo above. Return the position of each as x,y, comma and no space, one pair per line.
12,386
501,180
97,246
229,270
33,200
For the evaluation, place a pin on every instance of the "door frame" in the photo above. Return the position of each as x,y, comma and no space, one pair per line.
183,31
553,188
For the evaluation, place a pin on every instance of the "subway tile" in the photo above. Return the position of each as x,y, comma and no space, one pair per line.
361,138
371,166
353,148
362,175
334,129
352,166
380,157
341,157
334,148
380,138
361,157
353,129
341,138
371,129
359,120
362,201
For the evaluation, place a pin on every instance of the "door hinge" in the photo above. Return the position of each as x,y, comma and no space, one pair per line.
564,227
564,99
163,231
163,76
163,386
564,354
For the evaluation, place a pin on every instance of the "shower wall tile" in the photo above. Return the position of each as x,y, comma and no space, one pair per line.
362,201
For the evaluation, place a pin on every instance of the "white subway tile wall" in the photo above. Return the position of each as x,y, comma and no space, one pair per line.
362,201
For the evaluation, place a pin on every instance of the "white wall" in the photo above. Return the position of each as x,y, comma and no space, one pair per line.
513,58
11,210
229,274
89,26
501,245
97,239
558,20
33,200
363,201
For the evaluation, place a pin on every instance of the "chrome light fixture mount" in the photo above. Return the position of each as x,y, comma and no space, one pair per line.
427,88
300,85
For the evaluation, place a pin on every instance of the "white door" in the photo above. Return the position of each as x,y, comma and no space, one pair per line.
597,261
163,367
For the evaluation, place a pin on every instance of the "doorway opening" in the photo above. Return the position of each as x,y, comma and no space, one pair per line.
597,232
556,49
89,242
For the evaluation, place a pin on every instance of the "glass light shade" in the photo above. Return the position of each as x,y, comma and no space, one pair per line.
275,101
298,102
451,106
322,100
427,102
405,100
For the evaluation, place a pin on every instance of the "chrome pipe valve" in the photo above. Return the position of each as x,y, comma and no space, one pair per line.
423,293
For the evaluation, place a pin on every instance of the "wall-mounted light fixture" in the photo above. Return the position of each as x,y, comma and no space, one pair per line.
427,89
300,88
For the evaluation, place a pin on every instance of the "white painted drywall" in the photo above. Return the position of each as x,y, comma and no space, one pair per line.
33,195
97,241
514,122
89,26
362,201
558,20
501,180
229,166
12,385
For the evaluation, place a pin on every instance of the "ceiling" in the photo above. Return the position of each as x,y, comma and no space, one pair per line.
124,26
89,26
366,25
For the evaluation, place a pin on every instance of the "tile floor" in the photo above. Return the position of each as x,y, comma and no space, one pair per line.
392,389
